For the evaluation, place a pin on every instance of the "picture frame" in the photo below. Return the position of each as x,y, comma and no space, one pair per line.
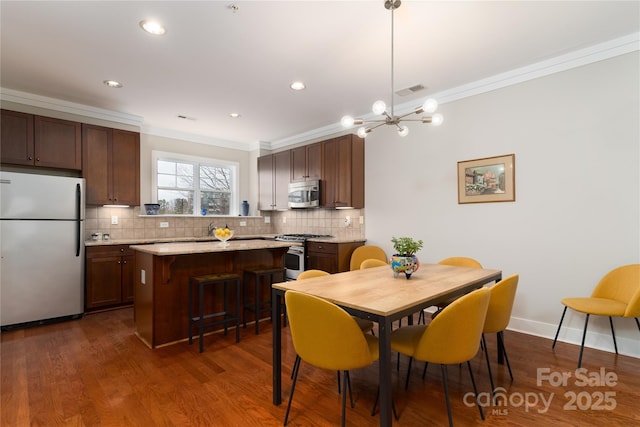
490,179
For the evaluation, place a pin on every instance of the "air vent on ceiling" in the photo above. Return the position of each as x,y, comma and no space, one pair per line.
183,117
410,90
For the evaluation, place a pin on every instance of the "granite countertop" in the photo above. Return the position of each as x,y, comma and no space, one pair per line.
183,248
337,239
143,241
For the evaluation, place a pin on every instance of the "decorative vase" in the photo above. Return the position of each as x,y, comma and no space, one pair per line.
404,264
245,208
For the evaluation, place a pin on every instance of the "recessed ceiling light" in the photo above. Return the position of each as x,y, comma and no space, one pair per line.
112,83
153,27
234,115
297,86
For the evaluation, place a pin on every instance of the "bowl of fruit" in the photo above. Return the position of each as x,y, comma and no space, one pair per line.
223,234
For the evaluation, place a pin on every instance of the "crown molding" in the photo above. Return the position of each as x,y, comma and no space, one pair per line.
30,99
578,58
197,138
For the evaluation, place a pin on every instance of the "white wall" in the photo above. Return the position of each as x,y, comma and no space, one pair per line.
576,215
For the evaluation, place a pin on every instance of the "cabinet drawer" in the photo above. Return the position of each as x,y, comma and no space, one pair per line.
325,248
108,250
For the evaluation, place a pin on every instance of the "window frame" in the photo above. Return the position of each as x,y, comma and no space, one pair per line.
197,162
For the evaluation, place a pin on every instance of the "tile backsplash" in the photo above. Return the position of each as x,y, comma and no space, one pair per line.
132,225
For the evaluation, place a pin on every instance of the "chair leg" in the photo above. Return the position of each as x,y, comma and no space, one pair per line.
504,351
559,324
584,334
475,390
424,371
406,383
344,396
339,382
613,334
443,369
296,366
421,317
348,377
637,323
486,355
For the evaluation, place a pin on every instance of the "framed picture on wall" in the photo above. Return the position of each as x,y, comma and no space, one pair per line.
491,179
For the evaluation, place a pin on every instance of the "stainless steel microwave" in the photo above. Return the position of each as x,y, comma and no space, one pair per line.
304,194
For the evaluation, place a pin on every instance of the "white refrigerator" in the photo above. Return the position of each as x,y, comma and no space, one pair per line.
42,249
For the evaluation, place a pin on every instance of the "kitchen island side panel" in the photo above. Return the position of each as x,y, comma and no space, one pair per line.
162,315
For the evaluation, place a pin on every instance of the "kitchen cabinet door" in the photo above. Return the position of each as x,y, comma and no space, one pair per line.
306,162
57,143
40,141
109,276
274,172
111,166
343,172
16,138
125,166
104,281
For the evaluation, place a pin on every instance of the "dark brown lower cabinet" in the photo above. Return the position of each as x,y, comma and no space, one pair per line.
109,276
330,257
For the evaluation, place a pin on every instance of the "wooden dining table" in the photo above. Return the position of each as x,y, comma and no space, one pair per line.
375,294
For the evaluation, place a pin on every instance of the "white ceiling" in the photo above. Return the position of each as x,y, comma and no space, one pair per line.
213,61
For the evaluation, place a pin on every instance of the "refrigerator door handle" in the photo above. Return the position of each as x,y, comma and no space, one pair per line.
78,219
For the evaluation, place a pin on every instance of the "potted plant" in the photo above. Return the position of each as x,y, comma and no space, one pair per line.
405,260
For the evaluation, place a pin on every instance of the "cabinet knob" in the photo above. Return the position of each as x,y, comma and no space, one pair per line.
121,249
118,262
37,159
124,262
30,157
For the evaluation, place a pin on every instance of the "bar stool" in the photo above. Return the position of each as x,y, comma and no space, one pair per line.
201,320
260,275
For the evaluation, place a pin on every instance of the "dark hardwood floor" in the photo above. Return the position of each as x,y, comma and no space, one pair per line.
96,372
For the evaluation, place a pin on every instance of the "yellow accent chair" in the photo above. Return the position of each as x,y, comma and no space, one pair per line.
364,252
616,295
326,336
372,262
364,324
503,294
456,261
308,274
450,338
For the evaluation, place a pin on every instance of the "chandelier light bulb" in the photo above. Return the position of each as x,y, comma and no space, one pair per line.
347,121
403,131
379,107
362,132
430,106
437,119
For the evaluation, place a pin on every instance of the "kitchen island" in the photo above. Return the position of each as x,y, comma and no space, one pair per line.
162,273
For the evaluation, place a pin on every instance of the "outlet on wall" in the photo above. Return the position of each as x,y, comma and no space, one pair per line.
347,221
164,225
267,220
114,220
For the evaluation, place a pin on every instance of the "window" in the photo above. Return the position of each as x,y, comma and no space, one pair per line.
186,185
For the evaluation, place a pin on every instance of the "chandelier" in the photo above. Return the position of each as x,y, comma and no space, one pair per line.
380,108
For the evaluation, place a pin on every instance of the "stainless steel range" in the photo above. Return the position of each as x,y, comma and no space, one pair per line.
295,256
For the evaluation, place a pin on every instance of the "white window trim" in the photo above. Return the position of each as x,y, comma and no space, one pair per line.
155,155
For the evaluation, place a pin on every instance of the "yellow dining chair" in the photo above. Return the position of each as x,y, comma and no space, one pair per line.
366,252
616,295
308,274
326,336
452,337
372,262
364,324
503,294
456,261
